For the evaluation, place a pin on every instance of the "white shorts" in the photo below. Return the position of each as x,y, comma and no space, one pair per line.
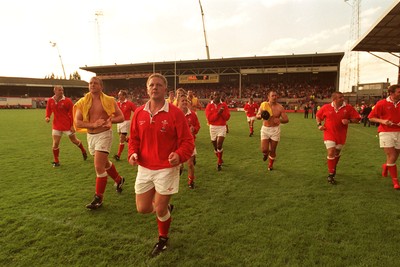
249,119
123,127
330,144
216,131
165,181
60,133
100,142
389,139
273,133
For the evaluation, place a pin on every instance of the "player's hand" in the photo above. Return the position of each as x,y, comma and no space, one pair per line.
174,159
47,119
108,123
388,122
133,159
98,123
322,127
345,121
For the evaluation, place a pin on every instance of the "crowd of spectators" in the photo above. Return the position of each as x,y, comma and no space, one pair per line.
290,94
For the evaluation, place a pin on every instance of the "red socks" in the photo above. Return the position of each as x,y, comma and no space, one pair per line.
56,153
112,171
120,149
101,183
331,165
163,226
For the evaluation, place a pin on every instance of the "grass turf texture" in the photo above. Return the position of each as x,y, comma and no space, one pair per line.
240,216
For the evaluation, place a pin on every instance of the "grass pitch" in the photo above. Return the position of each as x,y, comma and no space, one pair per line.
241,216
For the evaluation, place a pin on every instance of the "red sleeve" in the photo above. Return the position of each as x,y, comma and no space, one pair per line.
226,115
210,115
134,140
196,124
49,111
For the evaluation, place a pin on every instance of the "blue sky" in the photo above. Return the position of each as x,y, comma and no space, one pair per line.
159,30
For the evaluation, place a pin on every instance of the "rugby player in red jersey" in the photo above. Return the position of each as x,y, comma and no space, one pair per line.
217,114
336,117
387,113
251,109
160,140
194,126
62,108
127,107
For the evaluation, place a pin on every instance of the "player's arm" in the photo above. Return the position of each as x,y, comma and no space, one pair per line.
284,117
48,111
118,116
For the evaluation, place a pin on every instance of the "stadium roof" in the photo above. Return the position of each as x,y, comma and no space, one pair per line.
33,82
384,36
223,65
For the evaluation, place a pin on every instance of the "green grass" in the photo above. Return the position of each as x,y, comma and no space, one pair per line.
241,216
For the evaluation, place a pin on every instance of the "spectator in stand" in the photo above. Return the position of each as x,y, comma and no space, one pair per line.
217,114
127,107
251,109
160,141
96,112
62,108
194,126
387,114
271,129
337,116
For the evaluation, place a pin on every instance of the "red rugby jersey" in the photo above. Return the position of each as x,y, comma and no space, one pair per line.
62,119
335,130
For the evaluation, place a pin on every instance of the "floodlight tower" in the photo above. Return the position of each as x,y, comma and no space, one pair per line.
53,44
352,75
204,30
98,14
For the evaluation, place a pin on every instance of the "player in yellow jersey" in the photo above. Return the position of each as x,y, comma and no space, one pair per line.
273,114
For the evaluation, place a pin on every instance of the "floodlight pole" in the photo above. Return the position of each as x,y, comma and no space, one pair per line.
204,30
59,55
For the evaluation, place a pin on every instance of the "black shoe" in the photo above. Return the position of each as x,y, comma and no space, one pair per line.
160,247
265,157
116,157
191,185
96,203
56,164
194,160
120,184
331,179
170,207
84,155
270,168
219,167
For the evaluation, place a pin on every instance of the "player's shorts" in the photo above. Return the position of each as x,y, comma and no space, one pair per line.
100,142
330,144
60,133
249,119
165,181
217,131
273,133
389,139
123,127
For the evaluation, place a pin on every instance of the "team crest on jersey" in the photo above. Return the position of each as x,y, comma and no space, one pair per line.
164,126
141,123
